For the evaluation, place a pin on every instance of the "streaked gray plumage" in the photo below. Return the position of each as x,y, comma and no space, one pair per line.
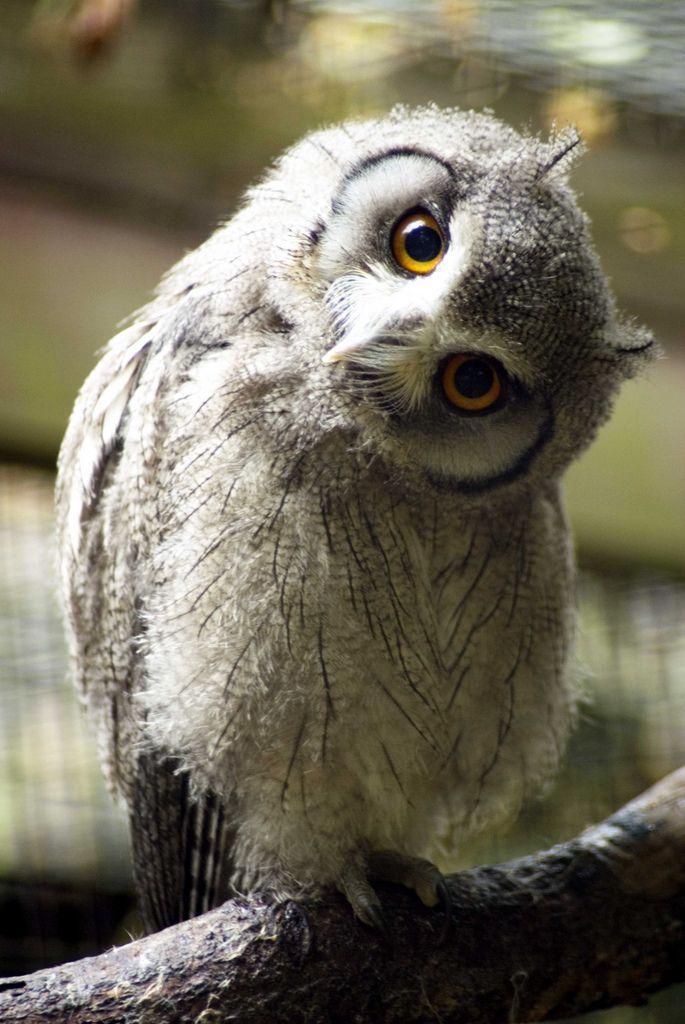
319,612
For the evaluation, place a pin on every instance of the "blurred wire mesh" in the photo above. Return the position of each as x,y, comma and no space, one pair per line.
64,875
193,101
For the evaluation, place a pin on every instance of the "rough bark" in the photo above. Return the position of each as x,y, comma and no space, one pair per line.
591,923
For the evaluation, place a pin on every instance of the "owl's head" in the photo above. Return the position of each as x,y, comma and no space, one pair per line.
443,294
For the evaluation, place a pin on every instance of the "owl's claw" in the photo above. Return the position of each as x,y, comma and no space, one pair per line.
418,874
413,872
354,885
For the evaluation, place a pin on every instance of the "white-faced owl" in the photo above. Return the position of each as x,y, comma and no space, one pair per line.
315,563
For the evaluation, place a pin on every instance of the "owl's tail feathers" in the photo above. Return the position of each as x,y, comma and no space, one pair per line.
180,845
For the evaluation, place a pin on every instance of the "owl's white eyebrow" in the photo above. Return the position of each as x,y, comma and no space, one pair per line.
381,295
370,162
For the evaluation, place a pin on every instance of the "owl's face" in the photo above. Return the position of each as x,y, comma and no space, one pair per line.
445,296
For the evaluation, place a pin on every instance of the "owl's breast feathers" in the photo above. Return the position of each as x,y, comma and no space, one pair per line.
342,661
327,649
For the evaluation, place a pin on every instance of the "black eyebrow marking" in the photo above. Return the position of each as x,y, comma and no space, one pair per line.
378,158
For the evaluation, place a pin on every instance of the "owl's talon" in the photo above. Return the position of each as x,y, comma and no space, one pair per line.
372,914
414,873
354,885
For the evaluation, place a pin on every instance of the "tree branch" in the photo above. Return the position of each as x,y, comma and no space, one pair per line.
591,923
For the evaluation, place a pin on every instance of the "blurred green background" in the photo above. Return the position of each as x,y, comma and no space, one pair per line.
121,149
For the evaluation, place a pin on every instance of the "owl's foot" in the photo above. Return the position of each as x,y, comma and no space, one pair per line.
388,866
412,872
355,887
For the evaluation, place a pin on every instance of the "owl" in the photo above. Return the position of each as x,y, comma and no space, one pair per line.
316,570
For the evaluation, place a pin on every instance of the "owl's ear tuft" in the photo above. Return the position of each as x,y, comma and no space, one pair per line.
633,348
637,348
562,151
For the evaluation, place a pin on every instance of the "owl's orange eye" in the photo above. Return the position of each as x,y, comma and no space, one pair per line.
417,242
472,383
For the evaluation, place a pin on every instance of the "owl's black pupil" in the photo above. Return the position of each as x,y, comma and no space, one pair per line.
422,243
474,378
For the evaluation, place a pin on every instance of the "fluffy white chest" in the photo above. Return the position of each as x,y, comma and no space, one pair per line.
359,669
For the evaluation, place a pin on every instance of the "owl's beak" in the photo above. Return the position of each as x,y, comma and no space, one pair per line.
343,349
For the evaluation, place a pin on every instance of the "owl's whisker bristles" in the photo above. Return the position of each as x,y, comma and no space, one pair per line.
399,372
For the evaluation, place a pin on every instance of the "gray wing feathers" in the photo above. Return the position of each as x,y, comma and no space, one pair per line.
105,504
98,540
180,845
95,423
